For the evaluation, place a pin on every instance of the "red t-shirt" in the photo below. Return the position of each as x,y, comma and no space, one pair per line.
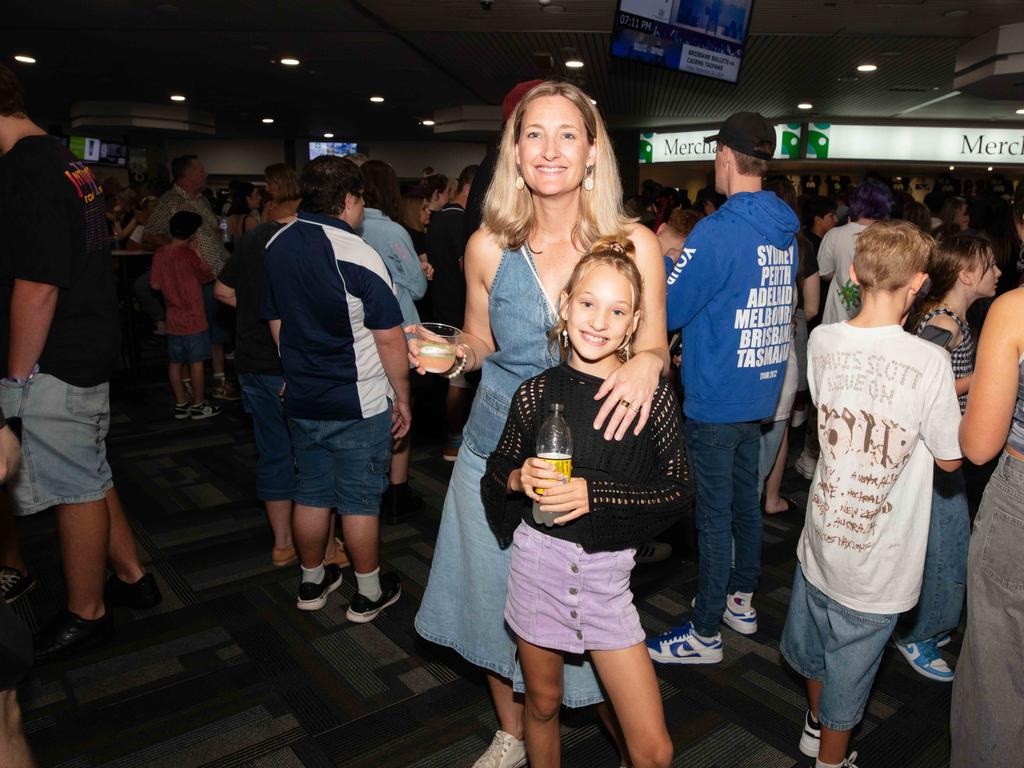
179,274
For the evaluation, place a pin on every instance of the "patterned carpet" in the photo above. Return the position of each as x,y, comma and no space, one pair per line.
226,672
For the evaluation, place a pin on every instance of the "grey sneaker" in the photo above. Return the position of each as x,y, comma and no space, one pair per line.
204,410
506,751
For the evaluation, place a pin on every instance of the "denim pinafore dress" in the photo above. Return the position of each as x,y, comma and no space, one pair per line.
464,603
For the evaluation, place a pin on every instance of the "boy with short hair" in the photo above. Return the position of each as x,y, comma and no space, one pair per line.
179,274
887,410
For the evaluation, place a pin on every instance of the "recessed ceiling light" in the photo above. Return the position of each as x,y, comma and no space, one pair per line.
574,64
24,59
377,99
990,167
268,120
427,123
177,97
952,167
1020,111
956,13
328,135
867,67
805,105
290,62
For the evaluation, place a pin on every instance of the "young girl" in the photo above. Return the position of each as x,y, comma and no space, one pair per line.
568,585
962,270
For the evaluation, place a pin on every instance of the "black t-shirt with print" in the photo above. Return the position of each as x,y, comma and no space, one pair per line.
54,226
255,351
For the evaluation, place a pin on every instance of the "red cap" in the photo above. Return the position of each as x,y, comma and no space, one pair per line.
513,97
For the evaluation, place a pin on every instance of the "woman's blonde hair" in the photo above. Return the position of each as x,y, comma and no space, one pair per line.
508,212
607,252
286,179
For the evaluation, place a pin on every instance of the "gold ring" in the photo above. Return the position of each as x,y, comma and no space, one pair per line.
637,409
625,403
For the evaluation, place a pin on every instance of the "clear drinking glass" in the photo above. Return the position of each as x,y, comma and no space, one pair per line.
437,343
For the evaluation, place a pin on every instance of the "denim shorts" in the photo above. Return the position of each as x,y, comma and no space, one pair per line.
342,464
275,463
193,348
63,444
824,640
566,599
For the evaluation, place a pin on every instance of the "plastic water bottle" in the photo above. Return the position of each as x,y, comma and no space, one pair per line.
222,225
554,445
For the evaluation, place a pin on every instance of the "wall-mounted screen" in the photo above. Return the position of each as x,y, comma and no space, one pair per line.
112,153
702,37
337,148
84,148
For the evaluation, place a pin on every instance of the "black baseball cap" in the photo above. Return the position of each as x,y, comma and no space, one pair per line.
743,130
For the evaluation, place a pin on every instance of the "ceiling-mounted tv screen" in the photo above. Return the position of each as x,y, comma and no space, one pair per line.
85,148
702,37
338,148
113,154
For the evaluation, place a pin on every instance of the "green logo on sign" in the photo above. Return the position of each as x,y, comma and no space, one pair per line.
817,140
646,147
791,141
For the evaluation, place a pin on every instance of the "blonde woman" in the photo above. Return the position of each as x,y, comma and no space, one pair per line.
555,192
283,188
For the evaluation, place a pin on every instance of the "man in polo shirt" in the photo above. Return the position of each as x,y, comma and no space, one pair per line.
332,310
732,292
189,176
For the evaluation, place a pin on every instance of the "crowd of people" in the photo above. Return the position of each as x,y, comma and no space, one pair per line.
677,342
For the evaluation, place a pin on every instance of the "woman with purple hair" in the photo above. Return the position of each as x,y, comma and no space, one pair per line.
870,202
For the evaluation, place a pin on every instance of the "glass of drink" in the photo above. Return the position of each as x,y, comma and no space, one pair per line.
437,343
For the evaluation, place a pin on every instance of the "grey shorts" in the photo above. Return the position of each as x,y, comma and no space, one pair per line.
63,444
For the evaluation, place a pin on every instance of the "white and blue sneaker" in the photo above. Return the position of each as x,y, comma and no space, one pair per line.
739,614
681,645
925,659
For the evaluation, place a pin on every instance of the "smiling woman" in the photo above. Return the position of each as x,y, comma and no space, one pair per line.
555,192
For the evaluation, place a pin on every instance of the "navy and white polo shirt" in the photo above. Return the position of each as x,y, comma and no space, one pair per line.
329,289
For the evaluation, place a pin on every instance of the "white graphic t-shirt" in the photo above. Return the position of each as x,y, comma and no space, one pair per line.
887,409
835,255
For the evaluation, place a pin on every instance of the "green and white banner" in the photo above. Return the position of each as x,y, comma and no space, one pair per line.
915,143
689,146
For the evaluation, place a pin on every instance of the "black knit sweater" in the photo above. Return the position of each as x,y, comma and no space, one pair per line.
637,487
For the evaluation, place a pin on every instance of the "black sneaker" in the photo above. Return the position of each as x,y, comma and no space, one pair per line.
313,594
143,594
203,410
182,410
363,609
14,583
67,634
810,739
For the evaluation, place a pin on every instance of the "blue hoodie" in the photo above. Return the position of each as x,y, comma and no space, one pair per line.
732,293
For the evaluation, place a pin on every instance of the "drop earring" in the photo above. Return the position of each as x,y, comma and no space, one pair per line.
565,339
520,181
588,181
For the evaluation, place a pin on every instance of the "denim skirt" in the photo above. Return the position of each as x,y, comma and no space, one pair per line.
463,606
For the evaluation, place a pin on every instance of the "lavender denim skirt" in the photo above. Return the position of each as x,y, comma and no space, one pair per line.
566,599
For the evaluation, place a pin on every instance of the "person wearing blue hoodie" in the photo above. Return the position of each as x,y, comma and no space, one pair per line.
731,291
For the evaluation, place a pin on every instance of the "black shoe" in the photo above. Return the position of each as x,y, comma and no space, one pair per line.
67,634
14,583
398,502
363,609
144,593
313,594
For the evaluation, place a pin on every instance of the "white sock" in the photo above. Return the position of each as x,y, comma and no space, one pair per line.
819,764
316,575
706,640
368,584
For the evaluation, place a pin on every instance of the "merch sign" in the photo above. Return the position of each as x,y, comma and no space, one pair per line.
689,146
915,143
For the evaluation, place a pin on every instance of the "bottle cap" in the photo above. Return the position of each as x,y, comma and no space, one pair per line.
556,407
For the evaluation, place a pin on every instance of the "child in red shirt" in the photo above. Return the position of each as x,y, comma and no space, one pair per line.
179,274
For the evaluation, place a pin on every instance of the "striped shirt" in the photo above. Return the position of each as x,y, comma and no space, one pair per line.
330,290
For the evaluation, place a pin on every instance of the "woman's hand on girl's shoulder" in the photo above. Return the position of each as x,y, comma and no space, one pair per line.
628,392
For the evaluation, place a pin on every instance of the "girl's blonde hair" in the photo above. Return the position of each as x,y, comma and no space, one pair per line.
508,212
606,252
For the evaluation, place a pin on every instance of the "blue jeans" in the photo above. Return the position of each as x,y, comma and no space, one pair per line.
275,464
945,565
725,458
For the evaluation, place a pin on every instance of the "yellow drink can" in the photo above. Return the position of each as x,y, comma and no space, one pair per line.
558,462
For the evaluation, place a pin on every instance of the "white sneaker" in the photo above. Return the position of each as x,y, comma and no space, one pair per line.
805,466
740,616
506,751
810,739
652,552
